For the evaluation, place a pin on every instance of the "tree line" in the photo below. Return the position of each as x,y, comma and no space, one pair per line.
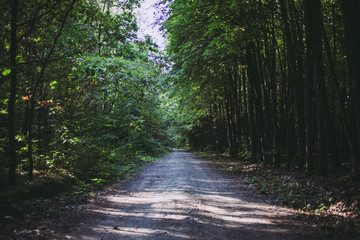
78,91
272,80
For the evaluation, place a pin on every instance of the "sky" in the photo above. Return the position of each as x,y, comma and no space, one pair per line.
147,15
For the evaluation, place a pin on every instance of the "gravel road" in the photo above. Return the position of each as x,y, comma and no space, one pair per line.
184,197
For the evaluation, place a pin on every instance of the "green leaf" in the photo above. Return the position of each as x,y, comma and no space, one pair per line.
4,111
53,84
6,72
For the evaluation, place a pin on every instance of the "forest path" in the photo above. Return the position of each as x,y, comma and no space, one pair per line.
183,197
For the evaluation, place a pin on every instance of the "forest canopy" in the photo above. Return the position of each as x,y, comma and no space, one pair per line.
274,81
271,81
79,90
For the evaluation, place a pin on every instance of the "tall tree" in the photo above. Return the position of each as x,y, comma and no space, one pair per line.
351,10
284,105
12,99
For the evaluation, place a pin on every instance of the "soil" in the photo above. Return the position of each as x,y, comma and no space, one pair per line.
184,197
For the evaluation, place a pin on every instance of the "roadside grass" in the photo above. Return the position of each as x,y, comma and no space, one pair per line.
332,203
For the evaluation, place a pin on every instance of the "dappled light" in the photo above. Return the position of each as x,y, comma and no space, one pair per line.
179,119
181,197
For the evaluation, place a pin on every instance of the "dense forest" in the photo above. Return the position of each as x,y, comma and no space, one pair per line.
269,82
274,81
80,92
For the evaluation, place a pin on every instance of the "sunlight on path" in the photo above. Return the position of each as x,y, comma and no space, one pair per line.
181,197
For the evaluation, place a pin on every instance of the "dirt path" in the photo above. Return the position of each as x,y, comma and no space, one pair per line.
182,197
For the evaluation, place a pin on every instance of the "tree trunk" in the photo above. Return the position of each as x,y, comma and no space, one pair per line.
351,12
228,117
296,82
11,104
255,109
246,118
313,11
309,85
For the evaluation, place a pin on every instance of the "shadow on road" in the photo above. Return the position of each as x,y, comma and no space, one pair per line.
181,197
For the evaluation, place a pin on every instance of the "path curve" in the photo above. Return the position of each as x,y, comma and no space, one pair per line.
183,197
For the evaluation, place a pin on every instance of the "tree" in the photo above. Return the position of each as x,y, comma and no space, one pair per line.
352,23
11,105
80,102
271,87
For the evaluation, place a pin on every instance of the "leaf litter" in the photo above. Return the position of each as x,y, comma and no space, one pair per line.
331,203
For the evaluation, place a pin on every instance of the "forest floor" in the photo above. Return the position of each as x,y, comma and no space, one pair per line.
331,203
184,197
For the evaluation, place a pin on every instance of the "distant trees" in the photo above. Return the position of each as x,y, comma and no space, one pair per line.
78,90
275,79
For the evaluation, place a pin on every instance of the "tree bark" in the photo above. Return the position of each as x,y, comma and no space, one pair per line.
313,11
309,86
255,107
351,12
296,82
11,104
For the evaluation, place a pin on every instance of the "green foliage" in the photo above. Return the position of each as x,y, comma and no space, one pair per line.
244,82
88,92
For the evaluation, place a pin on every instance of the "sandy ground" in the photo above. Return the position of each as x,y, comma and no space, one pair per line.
183,197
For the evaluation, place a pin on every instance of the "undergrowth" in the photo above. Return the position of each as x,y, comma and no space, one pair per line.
27,203
332,203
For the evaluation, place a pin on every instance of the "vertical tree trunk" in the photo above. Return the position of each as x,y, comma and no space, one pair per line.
351,12
29,138
234,111
239,105
309,85
340,99
313,9
11,104
227,99
272,70
253,136
296,82
237,120
246,118
267,89
255,107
